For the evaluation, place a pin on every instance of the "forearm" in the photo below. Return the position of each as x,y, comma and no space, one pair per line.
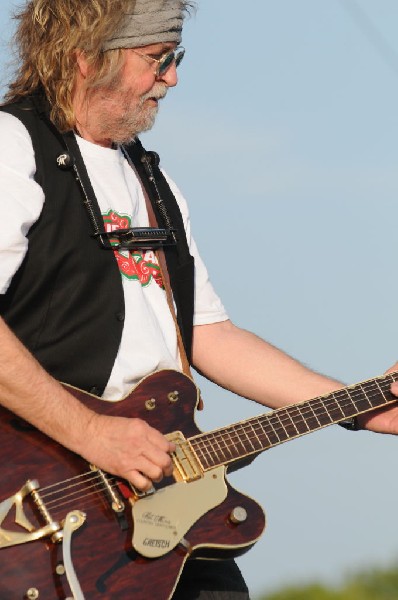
29,391
247,365
127,447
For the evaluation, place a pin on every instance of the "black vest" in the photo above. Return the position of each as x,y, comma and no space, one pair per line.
66,301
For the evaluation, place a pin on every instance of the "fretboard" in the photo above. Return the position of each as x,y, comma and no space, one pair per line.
234,442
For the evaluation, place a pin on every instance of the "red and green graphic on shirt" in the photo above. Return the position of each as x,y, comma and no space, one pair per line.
136,265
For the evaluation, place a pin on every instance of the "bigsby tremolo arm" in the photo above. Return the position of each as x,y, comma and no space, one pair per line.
13,538
73,521
57,532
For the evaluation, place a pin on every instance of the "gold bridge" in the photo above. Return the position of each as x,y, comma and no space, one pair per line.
186,464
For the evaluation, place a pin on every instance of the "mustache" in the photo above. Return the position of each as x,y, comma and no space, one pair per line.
158,92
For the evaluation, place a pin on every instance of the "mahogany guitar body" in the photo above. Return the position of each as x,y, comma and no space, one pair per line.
106,564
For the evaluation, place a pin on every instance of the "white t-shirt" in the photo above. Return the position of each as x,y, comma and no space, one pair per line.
149,338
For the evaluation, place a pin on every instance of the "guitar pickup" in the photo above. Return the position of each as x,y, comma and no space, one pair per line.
186,464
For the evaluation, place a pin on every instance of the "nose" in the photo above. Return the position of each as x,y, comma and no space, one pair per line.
170,78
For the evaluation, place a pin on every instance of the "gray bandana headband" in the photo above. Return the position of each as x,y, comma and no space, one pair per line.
149,22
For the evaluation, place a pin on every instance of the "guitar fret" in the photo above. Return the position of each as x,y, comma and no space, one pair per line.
324,415
251,437
278,427
249,444
290,427
203,453
233,441
321,412
283,430
229,443
256,439
229,439
391,377
335,411
365,397
220,452
361,401
268,442
312,420
254,435
348,409
211,450
301,424
377,391
273,433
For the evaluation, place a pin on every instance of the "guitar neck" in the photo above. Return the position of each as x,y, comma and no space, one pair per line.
252,436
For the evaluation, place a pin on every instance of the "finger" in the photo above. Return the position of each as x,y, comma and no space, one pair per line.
158,455
160,441
394,388
168,469
150,469
139,481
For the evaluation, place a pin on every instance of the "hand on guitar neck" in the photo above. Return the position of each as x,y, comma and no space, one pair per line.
382,420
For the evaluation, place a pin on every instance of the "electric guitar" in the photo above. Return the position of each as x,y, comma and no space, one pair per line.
71,531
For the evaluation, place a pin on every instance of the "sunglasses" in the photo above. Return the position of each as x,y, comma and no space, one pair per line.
165,61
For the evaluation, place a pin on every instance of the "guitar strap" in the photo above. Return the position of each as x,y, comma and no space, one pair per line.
166,279
167,286
85,184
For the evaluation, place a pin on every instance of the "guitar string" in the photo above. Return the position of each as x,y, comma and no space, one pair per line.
91,492
258,439
81,489
70,491
60,490
275,422
218,435
271,428
269,425
310,405
256,426
88,497
87,474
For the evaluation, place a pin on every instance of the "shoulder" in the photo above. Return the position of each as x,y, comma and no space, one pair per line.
15,142
10,124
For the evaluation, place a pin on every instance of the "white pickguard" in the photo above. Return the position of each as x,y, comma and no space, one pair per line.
162,519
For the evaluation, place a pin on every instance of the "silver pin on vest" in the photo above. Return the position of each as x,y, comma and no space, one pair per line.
64,161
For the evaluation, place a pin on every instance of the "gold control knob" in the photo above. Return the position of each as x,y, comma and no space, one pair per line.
238,515
32,594
150,404
173,396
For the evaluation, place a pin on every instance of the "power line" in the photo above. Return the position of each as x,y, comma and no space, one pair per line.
371,32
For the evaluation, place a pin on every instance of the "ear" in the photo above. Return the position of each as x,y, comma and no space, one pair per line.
82,63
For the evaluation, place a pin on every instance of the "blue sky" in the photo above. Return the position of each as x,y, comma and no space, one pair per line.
282,134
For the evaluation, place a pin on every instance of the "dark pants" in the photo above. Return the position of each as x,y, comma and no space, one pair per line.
211,580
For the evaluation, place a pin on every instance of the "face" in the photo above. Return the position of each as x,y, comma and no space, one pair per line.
129,105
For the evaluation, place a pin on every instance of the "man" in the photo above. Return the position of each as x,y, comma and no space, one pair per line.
90,79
